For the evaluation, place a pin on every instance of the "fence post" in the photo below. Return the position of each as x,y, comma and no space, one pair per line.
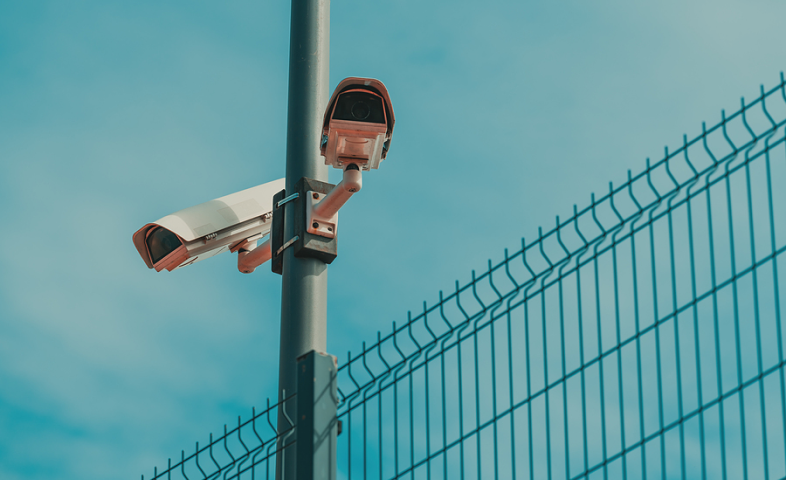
317,402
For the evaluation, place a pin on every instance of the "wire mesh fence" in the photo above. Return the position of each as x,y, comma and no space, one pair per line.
246,451
639,338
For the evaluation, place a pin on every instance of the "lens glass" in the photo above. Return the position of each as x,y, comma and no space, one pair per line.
161,242
359,107
360,110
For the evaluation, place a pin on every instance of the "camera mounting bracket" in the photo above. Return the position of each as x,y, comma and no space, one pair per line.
306,243
322,225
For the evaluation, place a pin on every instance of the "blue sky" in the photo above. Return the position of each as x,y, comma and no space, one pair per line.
113,114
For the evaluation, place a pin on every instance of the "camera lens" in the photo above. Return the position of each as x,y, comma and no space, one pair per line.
360,110
359,106
161,242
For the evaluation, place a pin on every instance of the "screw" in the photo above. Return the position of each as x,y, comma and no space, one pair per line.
315,225
330,229
315,195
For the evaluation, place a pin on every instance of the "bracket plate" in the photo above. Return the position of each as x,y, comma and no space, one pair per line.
311,245
277,233
317,224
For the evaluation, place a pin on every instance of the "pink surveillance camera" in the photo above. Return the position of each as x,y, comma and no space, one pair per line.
358,124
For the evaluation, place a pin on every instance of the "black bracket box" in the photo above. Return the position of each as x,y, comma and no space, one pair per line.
307,244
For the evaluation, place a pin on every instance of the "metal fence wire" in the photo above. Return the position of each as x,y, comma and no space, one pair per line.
246,451
639,338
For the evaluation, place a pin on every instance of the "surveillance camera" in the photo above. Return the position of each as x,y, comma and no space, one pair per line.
231,223
358,124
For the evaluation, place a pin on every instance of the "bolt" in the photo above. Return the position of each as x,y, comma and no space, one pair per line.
315,225
352,190
316,196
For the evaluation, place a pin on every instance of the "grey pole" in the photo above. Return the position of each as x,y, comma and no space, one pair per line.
304,280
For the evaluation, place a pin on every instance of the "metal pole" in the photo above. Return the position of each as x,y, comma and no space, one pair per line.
304,280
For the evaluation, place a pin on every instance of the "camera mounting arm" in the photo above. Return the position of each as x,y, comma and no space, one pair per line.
321,219
333,201
250,257
322,210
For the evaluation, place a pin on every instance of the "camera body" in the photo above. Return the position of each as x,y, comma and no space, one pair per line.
358,124
230,223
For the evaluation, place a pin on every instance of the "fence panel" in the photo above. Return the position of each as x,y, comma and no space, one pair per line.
639,338
246,451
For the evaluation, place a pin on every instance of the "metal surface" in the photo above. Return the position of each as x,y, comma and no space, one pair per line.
322,225
288,244
287,200
327,207
311,245
640,338
248,261
304,280
277,233
317,423
244,451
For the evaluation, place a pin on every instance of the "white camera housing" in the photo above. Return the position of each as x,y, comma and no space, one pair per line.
230,223
358,124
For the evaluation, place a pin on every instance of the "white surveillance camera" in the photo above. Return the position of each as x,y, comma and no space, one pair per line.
358,124
231,223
